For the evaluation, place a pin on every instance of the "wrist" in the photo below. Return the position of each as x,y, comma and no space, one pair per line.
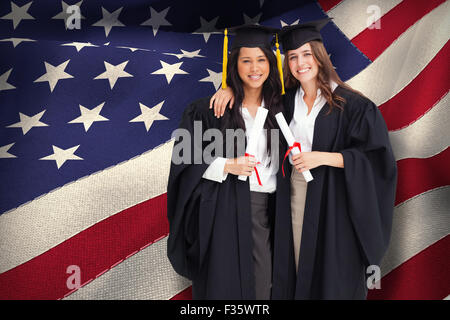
324,158
226,168
333,159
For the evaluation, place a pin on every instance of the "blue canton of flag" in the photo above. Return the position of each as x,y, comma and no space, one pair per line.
77,101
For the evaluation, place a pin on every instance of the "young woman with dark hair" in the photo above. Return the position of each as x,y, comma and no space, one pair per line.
341,220
220,226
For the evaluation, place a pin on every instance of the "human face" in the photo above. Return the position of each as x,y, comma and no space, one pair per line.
253,67
302,64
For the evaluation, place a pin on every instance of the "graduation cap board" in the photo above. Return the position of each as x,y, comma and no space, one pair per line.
251,36
293,37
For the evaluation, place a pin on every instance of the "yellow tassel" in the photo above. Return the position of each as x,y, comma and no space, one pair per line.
280,66
225,60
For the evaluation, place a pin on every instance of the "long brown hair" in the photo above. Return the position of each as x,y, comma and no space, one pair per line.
325,75
271,92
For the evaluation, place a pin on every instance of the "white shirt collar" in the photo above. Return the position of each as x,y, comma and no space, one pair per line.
247,113
333,86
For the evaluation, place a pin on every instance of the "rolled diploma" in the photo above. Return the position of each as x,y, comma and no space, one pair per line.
257,130
291,140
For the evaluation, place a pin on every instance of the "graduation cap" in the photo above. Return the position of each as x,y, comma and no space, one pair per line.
251,36
293,37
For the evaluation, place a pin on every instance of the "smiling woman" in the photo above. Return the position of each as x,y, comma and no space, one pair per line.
252,75
221,226
341,221
311,66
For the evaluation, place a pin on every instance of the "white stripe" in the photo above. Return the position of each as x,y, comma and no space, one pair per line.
418,223
404,59
352,16
427,136
146,275
45,222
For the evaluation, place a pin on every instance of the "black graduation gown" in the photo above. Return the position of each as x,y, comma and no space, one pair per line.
348,212
210,239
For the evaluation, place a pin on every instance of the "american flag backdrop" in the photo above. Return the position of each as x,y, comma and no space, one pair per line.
86,117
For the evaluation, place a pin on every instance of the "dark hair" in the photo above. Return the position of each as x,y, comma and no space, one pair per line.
271,93
325,74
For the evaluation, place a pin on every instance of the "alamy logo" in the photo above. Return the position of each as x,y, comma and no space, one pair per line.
374,22
373,280
205,146
74,280
73,20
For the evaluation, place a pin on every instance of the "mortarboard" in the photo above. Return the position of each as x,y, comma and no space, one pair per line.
252,35
293,37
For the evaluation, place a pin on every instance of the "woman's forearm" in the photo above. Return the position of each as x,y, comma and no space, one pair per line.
333,159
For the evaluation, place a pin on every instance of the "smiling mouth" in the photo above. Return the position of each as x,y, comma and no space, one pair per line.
303,71
255,77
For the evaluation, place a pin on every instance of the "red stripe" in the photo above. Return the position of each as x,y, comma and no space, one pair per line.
416,176
425,276
94,250
419,96
327,5
372,42
186,294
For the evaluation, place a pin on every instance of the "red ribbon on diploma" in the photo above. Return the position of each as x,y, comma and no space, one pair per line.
256,170
296,144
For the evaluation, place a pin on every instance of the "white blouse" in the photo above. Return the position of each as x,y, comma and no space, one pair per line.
267,172
302,123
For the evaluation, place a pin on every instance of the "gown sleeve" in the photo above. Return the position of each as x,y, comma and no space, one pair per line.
215,171
184,195
370,177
